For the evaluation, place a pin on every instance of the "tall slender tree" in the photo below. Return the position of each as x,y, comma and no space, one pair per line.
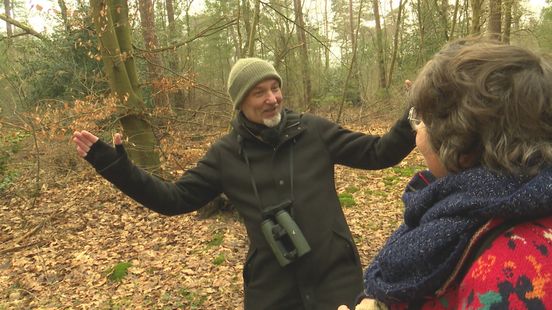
327,36
507,21
64,15
454,19
8,12
476,7
253,29
495,19
379,46
154,63
304,54
421,30
398,23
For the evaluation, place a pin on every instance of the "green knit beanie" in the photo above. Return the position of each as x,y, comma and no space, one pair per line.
245,74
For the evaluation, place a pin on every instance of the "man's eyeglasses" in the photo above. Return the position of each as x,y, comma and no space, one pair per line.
414,119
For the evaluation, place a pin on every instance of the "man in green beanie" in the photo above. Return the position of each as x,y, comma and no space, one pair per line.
277,168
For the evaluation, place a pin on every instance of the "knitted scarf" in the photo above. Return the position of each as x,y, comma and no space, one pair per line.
440,220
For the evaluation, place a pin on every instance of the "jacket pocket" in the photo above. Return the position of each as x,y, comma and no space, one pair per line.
248,270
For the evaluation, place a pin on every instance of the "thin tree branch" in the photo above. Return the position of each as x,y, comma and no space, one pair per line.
26,28
194,84
204,33
306,30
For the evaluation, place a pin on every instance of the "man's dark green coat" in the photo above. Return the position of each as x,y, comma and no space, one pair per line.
330,274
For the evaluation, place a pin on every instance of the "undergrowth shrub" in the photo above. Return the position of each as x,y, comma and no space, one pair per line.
9,145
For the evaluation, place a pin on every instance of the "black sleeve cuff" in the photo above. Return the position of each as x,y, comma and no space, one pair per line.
101,154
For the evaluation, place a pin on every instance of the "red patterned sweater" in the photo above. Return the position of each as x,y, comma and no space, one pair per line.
512,270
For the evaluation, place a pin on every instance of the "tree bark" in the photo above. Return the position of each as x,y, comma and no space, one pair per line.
421,30
253,30
154,63
395,43
507,21
454,19
495,19
327,36
113,31
476,16
8,12
379,46
302,38
178,99
238,39
442,9
245,18
188,64
64,16
170,16
351,65
351,26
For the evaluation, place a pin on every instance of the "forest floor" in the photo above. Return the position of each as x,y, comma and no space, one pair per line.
80,244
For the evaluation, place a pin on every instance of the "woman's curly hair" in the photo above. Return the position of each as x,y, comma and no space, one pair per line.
489,100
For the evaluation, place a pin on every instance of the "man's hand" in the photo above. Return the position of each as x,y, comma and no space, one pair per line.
84,140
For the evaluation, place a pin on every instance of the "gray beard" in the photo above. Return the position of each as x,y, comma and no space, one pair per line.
274,121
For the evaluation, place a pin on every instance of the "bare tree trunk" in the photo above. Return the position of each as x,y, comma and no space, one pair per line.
379,46
246,21
120,69
327,36
465,11
174,61
147,19
238,40
476,5
253,30
8,12
454,19
351,65
189,65
178,98
443,13
421,30
395,42
351,25
355,74
507,21
64,16
495,19
302,38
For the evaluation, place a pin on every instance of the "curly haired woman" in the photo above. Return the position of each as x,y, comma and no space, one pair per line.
477,231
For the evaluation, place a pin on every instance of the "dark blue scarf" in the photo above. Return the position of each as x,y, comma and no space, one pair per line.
440,220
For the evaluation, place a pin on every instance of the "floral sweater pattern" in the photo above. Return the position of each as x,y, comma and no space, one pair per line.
513,271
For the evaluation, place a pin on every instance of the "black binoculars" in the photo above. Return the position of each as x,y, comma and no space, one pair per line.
283,235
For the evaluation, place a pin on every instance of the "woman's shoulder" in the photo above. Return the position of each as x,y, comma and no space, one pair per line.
514,270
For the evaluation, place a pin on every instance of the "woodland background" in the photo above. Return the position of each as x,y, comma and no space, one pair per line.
156,71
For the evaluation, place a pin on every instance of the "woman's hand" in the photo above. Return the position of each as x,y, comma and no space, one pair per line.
365,304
